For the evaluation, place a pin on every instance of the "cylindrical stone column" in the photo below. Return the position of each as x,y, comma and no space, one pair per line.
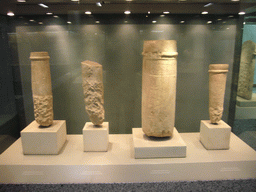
217,85
93,91
246,70
159,76
41,88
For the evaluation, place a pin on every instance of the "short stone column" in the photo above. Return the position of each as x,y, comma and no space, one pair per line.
159,76
41,88
217,86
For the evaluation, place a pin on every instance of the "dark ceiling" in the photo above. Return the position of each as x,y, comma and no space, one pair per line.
31,7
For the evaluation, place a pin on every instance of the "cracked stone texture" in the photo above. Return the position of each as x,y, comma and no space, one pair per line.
217,86
41,88
159,87
246,72
43,110
93,91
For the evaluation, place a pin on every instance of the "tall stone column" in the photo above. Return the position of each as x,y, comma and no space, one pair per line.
159,76
93,91
217,85
246,71
41,88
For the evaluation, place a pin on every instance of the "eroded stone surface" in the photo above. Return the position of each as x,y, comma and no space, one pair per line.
246,71
217,85
93,91
41,88
43,110
159,87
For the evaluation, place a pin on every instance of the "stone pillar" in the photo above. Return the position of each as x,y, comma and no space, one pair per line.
41,88
246,71
159,87
93,91
217,84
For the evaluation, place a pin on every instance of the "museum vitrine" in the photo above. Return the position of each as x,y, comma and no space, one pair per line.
112,33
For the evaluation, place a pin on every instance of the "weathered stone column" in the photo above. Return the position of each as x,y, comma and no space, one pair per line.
217,85
246,71
41,88
159,87
93,91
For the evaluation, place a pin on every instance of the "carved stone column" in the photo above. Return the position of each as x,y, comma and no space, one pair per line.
41,88
217,85
246,72
93,91
159,87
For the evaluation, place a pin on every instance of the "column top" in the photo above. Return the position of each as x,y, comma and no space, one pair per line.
39,55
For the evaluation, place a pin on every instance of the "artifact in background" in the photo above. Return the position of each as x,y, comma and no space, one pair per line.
41,88
246,73
217,84
93,91
159,87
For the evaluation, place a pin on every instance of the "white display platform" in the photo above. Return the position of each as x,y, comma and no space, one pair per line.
245,112
148,147
73,165
44,141
96,138
215,136
241,102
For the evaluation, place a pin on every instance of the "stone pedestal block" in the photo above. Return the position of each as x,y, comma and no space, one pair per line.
96,138
215,136
155,147
43,141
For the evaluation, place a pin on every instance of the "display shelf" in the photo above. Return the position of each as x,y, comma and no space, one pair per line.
73,165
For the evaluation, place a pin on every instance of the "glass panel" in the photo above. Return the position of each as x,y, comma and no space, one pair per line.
118,48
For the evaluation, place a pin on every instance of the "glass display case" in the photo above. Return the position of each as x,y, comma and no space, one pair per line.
102,31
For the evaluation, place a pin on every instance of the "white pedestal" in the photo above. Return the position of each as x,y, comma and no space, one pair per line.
118,165
215,136
43,141
96,138
151,147
241,102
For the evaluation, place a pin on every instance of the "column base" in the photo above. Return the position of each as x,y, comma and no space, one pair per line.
153,147
96,138
215,136
43,141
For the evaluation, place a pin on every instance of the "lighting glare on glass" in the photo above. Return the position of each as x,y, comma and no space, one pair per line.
244,23
48,13
204,13
241,13
56,16
153,21
235,0
32,20
43,5
10,14
182,21
127,12
69,22
148,12
88,12
126,21
162,15
99,4
21,1
40,23
230,16
166,12
97,21
219,19
209,22
75,0
208,5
